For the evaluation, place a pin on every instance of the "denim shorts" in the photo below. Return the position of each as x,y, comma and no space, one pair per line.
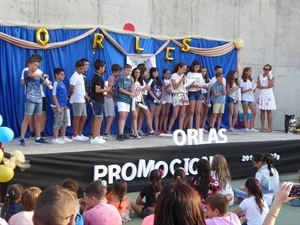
151,104
33,108
195,95
98,108
232,101
246,102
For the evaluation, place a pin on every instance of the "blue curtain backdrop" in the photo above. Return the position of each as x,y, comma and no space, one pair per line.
13,60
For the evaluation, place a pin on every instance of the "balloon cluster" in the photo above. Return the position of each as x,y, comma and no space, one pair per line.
17,159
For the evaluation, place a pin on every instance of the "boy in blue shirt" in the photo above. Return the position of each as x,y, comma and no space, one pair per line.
60,98
218,98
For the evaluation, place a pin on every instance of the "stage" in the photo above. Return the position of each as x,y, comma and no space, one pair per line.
133,159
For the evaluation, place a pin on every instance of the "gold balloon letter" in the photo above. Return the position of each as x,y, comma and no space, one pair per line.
185,42
98,39
168,54
137,45
42,31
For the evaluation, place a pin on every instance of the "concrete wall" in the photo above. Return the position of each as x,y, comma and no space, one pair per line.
269,28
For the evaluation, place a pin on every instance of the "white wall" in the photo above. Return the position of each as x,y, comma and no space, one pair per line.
269,28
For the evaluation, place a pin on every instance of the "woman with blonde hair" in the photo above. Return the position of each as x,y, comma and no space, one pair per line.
220,171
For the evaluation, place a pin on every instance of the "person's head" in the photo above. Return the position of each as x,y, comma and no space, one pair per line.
267,68
179,175
180,68
217,205
120,188
153,73
86,63
29,197
33,64
136,73
220,166
94,193
166,74
79,67
59,74
37,56
247,72
127,70
219,77
204,72
203,169
55,206
155,179
13,195
99,65
195,67
143,69
116,70
178,204
253,188
259,159
232,77
70,184
218,68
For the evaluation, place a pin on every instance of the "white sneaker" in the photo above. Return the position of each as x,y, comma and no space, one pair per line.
205,131
253,130
84,137
247,130
97,140
57,141
77,138
66,139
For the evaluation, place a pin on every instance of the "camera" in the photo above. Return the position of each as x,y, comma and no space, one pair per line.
295,191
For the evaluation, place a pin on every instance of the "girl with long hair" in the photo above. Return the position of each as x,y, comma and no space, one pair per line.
255,207
205,97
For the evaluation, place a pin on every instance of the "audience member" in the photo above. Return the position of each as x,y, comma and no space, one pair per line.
97,210
28,200
55,206
150,193
179,175
118,197
217,211
12,204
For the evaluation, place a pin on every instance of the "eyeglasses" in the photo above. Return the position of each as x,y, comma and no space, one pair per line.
266,69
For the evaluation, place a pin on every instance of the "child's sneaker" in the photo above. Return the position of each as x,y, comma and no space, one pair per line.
153,132
120,137
108,137
40,141
66,139
136,136
43,135
140,133
57,141
22,142
32,134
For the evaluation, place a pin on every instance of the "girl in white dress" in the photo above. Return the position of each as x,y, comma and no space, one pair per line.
266,100
247,89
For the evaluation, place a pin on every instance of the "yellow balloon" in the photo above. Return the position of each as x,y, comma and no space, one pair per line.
98,39
39,33
6,173
1,155
137,45
168,54
185,42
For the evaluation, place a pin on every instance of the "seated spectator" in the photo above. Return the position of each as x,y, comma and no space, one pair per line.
217,211
28,200
118,197
255,208
55,206
179,175
12,203
150,192
97,210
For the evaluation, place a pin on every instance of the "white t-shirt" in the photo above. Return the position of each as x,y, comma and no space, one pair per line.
138,91
181,88
24,217
79,88
3,222
224,191
37,71
252,213
248,96
195,76
204,90
145,92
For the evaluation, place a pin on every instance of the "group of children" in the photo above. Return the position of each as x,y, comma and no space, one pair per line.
190,92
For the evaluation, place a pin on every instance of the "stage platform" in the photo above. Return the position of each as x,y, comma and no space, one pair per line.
133,159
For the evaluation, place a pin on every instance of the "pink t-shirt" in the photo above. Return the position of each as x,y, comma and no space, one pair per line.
111,82
148,220
102,213
230,219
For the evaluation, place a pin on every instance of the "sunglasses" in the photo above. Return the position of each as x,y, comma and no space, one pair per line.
266,69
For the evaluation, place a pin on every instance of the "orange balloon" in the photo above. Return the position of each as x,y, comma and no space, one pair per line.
6,173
